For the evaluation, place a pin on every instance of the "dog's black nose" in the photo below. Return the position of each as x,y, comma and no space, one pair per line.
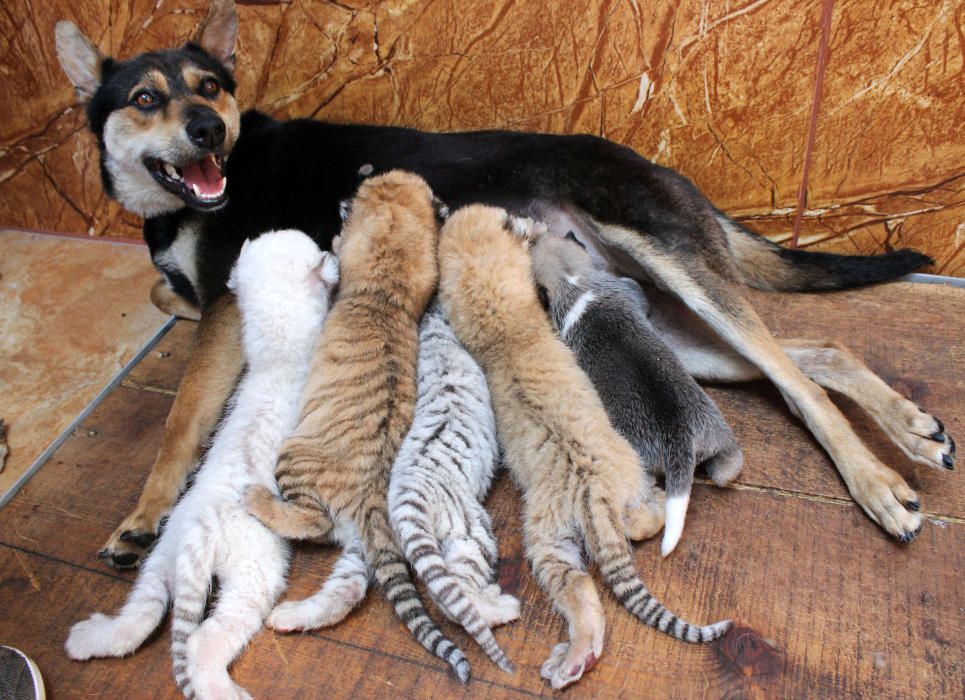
205,129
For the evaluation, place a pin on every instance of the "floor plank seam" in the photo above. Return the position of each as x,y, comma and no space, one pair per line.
58,560
314,634
133,384
814,497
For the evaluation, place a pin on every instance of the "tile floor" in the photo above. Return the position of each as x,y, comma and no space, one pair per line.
73,312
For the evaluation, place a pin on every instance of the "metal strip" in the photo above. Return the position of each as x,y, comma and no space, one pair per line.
922,278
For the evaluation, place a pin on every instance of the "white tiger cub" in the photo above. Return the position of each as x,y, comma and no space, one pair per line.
439,479
441,476
283,283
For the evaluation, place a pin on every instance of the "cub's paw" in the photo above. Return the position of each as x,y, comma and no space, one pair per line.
328,270
526,228
562,668
91,638
495,607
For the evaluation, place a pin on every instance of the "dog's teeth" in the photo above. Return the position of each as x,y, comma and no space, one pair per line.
171,171
195,190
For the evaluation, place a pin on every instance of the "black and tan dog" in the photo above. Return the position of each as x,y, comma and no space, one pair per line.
176,150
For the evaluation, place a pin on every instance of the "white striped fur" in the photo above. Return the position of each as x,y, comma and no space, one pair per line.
440,477
283,282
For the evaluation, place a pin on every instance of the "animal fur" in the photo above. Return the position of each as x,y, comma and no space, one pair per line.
651,399
334,471
439,480
283,283
581,482
651,224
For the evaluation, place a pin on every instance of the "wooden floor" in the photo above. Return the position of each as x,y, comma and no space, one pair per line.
827,605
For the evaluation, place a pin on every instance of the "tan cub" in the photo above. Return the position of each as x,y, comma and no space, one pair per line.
582,482
359,401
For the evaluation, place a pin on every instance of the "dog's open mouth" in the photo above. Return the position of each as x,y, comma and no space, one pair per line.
200,184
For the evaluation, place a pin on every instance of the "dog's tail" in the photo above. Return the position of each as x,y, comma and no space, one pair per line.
765,265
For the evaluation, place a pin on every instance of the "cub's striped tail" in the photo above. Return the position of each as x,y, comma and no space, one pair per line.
610,550
193,572
411,521
392,574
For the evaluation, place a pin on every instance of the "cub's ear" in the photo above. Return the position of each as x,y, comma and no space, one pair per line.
79,58
218,32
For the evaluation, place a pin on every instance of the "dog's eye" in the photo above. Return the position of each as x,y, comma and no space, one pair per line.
209,87
144,100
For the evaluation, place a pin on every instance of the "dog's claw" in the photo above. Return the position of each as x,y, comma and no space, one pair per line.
141,539
124,560
913,505
948,461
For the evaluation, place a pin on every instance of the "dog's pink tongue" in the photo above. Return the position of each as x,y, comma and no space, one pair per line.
205,175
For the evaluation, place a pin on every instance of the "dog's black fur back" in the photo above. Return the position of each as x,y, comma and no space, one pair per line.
293,174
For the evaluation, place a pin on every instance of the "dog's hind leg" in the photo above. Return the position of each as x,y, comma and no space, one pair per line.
828,363
919,435
880,491
211,375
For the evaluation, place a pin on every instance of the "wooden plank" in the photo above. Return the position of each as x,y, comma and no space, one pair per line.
72,505
844,613
162,368
909,334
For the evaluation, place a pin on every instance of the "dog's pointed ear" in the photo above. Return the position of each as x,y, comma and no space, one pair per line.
79,58
218,32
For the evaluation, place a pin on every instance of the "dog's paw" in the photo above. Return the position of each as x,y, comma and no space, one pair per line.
920,435
889,501
130,542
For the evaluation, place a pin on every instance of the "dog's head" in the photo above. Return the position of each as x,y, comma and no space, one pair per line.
165,121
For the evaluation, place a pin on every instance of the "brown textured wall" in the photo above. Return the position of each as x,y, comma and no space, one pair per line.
720,91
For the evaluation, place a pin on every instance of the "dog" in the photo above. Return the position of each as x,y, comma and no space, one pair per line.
176,150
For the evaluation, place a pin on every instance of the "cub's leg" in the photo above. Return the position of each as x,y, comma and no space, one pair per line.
472,560
343,590
146,606
248,591
300,518
212,373
557,561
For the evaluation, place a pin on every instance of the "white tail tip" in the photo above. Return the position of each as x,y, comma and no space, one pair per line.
676,510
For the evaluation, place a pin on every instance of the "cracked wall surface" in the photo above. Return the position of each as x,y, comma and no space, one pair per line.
721,91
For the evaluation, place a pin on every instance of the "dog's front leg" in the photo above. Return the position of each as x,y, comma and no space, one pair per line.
211,375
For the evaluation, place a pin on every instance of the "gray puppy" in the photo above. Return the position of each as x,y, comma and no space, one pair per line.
650,398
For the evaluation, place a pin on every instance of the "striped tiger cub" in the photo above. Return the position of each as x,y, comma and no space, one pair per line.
333,472
439,480
582,482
